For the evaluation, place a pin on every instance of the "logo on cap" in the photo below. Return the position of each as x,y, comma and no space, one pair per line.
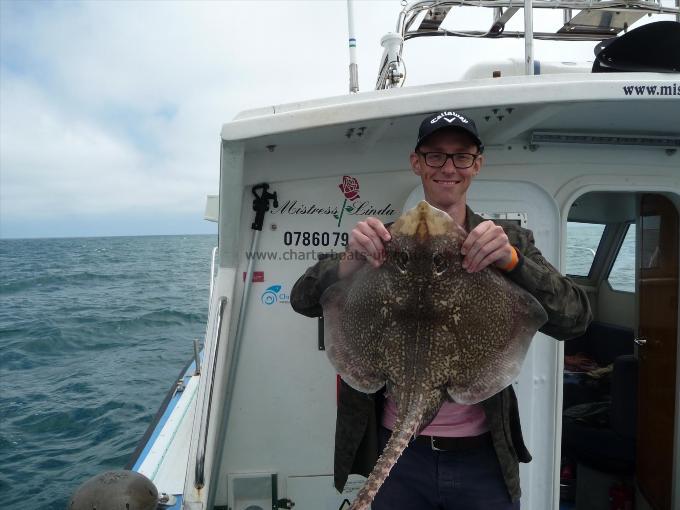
444,115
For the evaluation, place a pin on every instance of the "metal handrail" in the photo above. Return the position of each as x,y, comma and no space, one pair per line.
409,14
235,343
503,11
199,478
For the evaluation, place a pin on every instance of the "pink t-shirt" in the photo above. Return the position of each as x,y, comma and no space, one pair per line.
452,420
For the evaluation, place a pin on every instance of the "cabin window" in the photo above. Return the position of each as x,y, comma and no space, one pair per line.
622,275
582,242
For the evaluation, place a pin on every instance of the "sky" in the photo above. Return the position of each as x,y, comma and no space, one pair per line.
110,111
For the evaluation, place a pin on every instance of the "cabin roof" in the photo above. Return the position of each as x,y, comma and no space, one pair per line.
503,108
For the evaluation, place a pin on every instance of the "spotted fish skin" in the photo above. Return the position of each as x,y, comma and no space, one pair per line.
426,328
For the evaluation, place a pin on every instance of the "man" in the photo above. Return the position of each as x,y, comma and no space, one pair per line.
467,457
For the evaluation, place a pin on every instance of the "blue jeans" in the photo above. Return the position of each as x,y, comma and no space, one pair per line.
426,479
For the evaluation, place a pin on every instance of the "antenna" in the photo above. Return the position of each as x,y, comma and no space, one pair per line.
528,38
353,67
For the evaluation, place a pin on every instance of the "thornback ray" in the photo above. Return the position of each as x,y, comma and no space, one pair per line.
425,328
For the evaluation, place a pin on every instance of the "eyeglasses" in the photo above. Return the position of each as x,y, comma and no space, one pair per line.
460,160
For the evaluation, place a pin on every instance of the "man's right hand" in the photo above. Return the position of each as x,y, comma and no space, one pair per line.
365,244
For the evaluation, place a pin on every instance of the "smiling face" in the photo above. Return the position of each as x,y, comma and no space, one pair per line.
446,187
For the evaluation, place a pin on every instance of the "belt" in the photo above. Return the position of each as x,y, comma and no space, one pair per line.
452,444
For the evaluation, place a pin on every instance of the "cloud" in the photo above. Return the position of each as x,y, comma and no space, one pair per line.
110,107
56,162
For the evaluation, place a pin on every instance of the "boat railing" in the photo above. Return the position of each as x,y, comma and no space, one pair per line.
596,20
199,475
205,409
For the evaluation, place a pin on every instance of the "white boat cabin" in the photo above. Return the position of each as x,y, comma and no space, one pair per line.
615,205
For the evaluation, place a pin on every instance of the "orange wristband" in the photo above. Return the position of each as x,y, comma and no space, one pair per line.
513,262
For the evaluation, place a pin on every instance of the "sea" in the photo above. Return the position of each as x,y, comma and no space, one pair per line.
93,333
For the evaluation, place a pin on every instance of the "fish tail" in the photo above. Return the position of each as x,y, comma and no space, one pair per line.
404,429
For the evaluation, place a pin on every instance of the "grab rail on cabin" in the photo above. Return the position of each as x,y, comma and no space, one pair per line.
199,475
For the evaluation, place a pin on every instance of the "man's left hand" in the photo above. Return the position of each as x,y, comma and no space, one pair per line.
487,244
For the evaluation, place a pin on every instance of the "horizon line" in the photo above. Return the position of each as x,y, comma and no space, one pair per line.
101,236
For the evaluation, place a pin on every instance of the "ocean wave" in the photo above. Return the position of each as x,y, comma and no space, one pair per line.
92,421
36,336
165,317
15,360
93,332
46,281
29,343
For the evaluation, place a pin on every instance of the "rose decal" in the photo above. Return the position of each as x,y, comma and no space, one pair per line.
349,188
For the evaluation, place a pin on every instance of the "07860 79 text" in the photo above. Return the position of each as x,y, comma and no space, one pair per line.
315,238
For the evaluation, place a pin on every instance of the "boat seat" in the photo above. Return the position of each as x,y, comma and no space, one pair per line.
603,342
609,448
654,47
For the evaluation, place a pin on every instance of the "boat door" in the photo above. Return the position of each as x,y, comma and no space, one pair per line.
657,347
536,384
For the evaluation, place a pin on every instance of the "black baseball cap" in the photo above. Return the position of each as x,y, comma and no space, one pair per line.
448,119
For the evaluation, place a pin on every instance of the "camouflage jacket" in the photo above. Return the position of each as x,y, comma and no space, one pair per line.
359,414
